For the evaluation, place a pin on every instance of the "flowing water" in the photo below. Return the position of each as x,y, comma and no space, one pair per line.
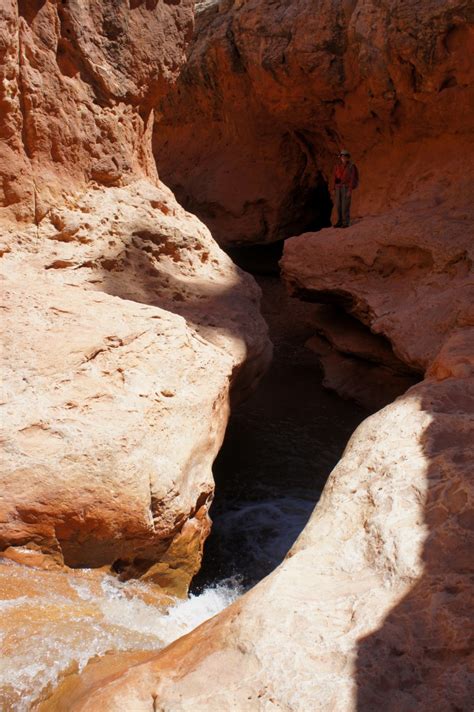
53,623
279,449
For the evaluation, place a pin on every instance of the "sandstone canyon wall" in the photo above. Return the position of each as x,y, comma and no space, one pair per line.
78,85
272,90
370,609
124,324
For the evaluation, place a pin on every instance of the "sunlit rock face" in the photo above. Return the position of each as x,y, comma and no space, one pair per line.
79,80
125,326
370,609
273,90
371,606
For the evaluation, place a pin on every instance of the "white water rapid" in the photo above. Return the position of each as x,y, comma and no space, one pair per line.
53,623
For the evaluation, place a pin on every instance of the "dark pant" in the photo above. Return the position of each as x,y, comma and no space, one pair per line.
343,204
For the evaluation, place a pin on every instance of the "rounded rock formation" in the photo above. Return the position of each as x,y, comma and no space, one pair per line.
125,325
370,609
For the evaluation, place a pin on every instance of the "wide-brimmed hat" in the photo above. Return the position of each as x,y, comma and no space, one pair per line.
344,153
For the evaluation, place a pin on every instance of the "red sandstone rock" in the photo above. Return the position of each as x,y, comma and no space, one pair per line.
370,609
273,90
406,274
124,324
78,85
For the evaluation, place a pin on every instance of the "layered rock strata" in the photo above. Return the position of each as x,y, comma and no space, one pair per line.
124,325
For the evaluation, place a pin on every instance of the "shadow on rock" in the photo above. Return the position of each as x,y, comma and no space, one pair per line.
172,270
420,658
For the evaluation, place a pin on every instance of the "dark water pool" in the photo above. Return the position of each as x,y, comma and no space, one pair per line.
279,449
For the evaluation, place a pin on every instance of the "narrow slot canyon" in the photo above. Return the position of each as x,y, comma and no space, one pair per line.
282,443
280,446
236,422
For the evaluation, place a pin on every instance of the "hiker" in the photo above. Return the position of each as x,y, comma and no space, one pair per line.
346,179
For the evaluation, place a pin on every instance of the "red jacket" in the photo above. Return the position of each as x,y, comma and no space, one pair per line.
347,175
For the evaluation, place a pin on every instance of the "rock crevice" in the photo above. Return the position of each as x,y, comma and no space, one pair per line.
370,609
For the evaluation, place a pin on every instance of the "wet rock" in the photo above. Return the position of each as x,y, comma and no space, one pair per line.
370,607
54,621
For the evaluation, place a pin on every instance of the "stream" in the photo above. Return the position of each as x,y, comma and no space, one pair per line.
280,447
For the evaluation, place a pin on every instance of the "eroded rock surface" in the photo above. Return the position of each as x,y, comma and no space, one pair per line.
79,81
357,363
407,275
273,90
120,343
125,326
370,609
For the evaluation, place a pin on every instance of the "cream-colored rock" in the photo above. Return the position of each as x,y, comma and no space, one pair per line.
371,607
120,345
125,333
124,324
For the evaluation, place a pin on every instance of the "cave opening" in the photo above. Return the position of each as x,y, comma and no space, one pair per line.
307,206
